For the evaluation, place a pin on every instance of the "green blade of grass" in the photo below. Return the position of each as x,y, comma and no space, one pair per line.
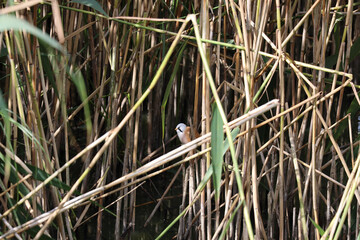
201,186
217,138
321,231
92,4
8,22
225,145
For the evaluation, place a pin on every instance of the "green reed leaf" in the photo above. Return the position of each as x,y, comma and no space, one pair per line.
217,138
9,22
92,4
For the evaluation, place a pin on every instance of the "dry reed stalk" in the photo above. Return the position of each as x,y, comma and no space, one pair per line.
205,121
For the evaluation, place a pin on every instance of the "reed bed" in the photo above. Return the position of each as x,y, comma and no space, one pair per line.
91,92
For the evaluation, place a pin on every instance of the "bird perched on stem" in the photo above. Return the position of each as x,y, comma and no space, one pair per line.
185,133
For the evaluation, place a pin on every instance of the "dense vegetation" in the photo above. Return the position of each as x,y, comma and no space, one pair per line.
91,93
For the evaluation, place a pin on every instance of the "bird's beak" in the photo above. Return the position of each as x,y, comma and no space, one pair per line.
175,129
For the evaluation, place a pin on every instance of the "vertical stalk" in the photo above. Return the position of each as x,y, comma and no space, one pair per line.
205,121
281,153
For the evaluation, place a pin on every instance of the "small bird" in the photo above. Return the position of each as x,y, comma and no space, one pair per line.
185,134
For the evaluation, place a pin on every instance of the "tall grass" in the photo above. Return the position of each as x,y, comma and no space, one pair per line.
91,93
